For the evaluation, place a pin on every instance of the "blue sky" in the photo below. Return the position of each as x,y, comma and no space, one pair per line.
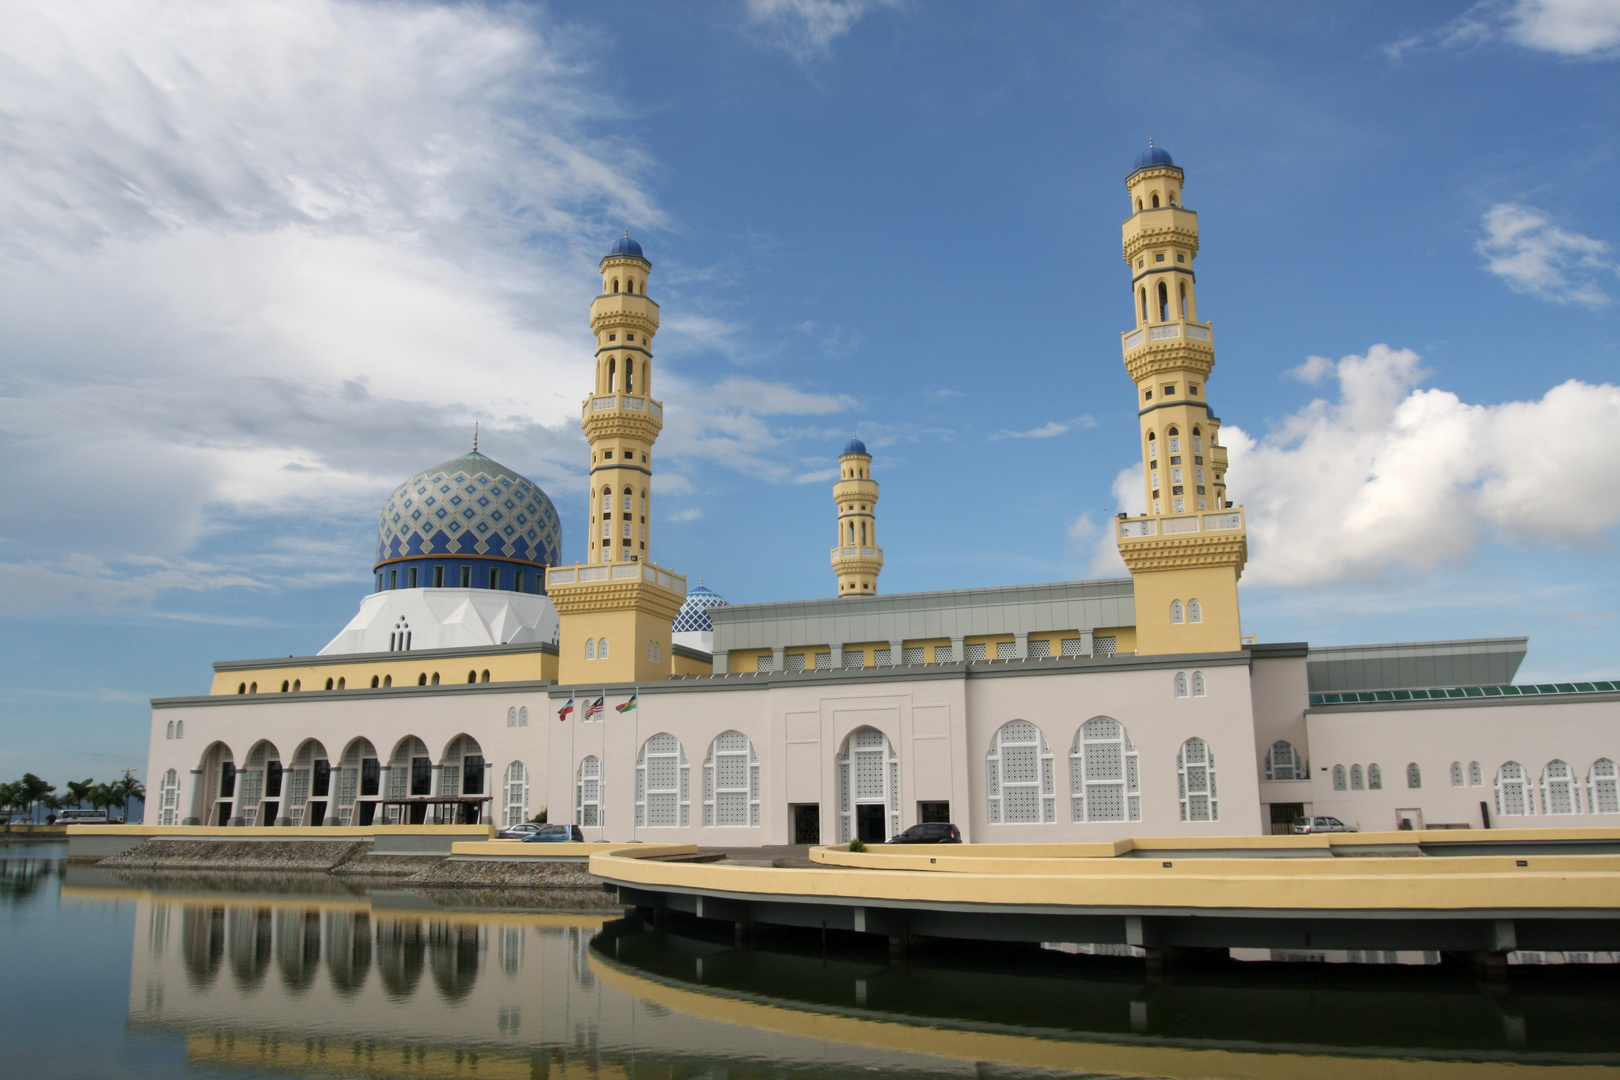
260,263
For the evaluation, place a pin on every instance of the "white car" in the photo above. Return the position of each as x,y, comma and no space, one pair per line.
1321,824
521,831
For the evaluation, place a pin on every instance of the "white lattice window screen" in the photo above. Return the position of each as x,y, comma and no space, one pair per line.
1195,780
1073,646
1177,614
511,717
1339,783
523,716
1357,781
1476,775
1181,684
1284,763
793,662
766,662
1375,778
882,657
944,654
663,783
823,661
1104,781
1513,794
1603,782
588,792
1105,644
1456,774
913,654
731,782
1198,683
854,658
974,650
868,774
517,794
169,802
1560,792
1040,648
250,786
1021,780
1006,650
1195,611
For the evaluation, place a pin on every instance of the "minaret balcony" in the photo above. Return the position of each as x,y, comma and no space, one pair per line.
604,404
566,577
857,553
1129,530
1171,331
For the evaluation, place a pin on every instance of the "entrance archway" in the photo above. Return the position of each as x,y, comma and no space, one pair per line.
868,787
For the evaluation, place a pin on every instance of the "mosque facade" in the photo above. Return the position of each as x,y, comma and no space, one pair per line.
485,679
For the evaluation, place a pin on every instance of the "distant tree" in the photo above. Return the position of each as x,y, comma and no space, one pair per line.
79,790
125,790
10,798
33,790
51,804
100,797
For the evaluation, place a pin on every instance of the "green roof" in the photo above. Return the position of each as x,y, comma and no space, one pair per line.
1354,697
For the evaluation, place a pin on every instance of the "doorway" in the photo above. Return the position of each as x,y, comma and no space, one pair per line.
1409,820
368,810
316,812
1283,816
806,818
869,823
418,813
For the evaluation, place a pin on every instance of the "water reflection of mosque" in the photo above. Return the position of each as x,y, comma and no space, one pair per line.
393,984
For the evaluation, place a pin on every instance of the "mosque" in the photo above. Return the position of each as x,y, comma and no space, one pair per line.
485,679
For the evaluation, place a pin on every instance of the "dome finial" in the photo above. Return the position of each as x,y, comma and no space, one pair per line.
475,436
1150,140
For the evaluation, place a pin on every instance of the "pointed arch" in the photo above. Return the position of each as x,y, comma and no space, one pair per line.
663,783
868,775
1514,794
1022,784
731,781
1283,762
1560,790
1181,682
1456,774
1195,611
516,790
169,799
1198,684
1104,781
259,782
308,784
218,796
1195,781
1603,787
588,792
1164,302
1177,613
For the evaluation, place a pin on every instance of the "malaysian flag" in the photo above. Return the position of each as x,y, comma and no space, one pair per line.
593,709
562,713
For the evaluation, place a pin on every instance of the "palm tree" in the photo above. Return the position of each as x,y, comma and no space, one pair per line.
33,790
79,790
51,804
125,790
10,798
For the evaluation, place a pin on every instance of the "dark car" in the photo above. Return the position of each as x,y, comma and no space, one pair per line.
930,832
555,834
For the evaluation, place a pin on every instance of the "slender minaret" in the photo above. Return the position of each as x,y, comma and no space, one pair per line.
620,418
1186,554
856,559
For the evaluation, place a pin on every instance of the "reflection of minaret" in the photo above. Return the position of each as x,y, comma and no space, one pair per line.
857,560
1185,556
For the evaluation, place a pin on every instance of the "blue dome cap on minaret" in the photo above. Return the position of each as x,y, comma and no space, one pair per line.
855,446
1151,157
625,246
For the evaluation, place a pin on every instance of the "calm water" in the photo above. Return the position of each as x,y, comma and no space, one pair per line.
104,976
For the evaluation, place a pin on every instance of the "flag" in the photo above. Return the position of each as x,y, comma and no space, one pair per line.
593,709
627,706
562,713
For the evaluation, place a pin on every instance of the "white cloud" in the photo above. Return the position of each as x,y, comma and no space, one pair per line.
1574,28
1525,249
691,513
1050,429
806,29
942,393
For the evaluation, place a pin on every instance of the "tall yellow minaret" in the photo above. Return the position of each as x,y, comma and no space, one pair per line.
616,608
1186,554
856,559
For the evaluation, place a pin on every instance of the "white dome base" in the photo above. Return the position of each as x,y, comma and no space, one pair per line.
447,619
701,640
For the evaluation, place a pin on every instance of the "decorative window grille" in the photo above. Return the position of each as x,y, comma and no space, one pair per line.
868,774
975,651
1181,684
1513,791
523,716
1338,779
170,734
1175,444
1375,778
1476,775
169,800
1175,475
1022,787
1039,649
1177,615
1073,646
1104,784
1006,650
1603,787
823,661
1456,774
1560,791
767,662
602,649
913,654
1356,781
1104,645
731,782
1198,678
1414,775
511,717
590,648
1195,611
882,657
944,654
795,662
517,794
588,792
1180,505
1284,763
179,729
1195,779
663,784
854,658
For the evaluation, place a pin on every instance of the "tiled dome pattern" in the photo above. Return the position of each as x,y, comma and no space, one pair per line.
470,506
694,613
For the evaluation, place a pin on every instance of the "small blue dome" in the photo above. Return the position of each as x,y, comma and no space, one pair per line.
625,246
694,613
855,446
1153,155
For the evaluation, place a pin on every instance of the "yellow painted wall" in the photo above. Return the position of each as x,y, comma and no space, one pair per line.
1214,587
627,631
1125,636
400,668
681,665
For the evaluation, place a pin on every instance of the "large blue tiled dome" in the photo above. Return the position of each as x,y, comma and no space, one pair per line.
1151,157
694,613
625,246
470,507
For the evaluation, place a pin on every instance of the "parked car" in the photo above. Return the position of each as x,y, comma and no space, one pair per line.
930,832
1321,824
555,834
521,831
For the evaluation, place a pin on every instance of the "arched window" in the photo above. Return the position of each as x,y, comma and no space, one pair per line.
1155,199
1177,615
1139,204
435,678
472,676
511,717
1103,779
863,534
169,732
329,684
1357,782
1172,198
1195,611
1338,778
629,500
1603,787
588,792
421,680
1022,785
1476,775
601,648
375,682
179,729
285,686
523,716
868,775
485,676
1198,681
1375,778
1164,302
1560,791
388,680
1283,762
590,648
169,799
663,784
630,285
1143,291
1456,774
517,794
613,373
615,284
1181,682
731,782
629,375
241,688
1414,775
1195,779
1184,300
1513,794
607,500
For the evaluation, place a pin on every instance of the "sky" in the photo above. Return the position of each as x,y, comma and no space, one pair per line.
260,262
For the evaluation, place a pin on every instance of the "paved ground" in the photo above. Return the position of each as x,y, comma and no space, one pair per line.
758,856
